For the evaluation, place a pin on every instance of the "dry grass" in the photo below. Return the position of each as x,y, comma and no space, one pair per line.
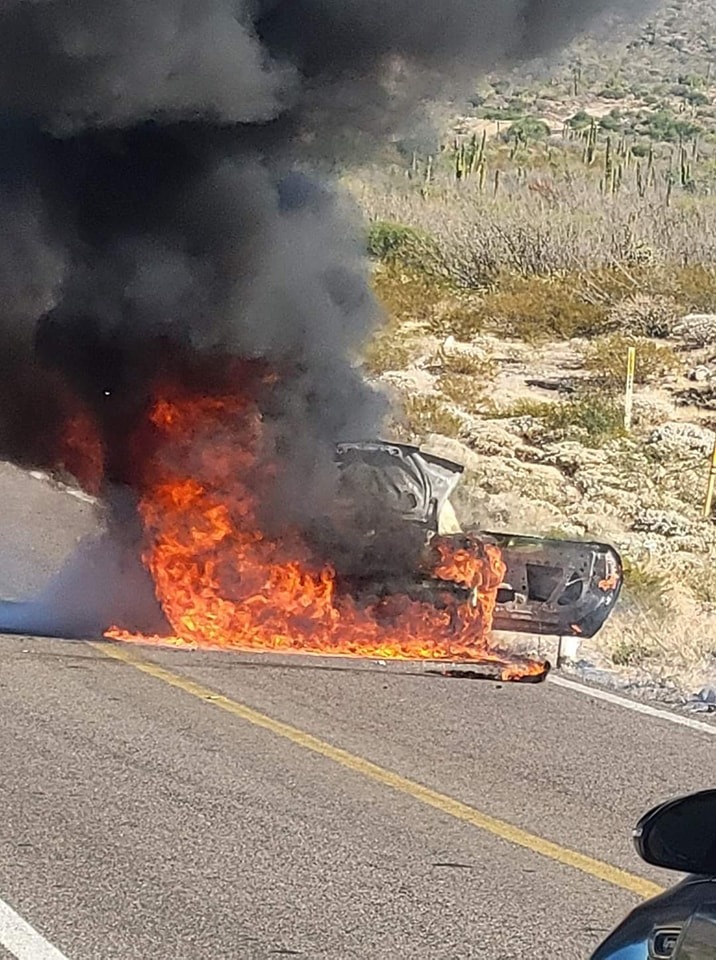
390,350
467,363
428,414
463,319
536,308
465,391
669,646
410,296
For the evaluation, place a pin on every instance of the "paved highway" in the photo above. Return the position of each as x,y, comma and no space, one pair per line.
166,804
191,805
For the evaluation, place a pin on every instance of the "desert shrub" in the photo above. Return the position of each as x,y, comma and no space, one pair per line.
429,414
697,329
389,350
605,360
693,285
412,303
612,93
645,315
639,150
461,319
526,129
402,244
612,122
630,651
580,120
539,308
501,113
409,295
531,409
660,635
644,585
703,580
426,302
592,419
698,99
665,125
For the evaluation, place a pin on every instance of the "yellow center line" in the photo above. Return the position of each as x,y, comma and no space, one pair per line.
371,771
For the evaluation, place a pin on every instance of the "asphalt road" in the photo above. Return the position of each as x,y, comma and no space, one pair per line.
150,814
143,820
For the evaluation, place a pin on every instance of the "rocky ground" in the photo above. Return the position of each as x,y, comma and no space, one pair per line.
537,465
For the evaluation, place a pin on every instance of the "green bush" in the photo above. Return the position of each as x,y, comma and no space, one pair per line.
630,651
501,113
613,122
594,420
605,360
664,125
526,129
640,150
399,243
643,585
612,93
580,120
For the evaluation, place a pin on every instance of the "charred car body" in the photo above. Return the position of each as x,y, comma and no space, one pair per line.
551,587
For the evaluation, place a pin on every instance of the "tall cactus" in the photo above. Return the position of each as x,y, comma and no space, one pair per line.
467,156
608,160
641,183
591,143
684,168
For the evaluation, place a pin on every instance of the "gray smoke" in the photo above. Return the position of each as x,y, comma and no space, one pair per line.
156,210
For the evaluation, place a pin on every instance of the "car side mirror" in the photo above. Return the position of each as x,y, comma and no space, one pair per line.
680,834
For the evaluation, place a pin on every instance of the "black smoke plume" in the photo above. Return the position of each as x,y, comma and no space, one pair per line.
154,200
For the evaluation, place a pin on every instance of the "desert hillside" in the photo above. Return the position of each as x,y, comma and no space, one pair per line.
561,214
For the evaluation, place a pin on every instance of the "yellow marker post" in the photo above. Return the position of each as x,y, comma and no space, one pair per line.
629,392
711,485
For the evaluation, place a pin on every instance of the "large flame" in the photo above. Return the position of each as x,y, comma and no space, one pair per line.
223,583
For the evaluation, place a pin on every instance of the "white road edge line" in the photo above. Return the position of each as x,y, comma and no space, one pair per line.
598,694
22,940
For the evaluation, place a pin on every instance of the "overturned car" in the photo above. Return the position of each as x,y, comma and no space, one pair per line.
550,587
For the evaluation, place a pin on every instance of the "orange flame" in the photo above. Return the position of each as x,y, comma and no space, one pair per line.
223,583
81,451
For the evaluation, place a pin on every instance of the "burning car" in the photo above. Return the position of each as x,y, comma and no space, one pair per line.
549,587
383,570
